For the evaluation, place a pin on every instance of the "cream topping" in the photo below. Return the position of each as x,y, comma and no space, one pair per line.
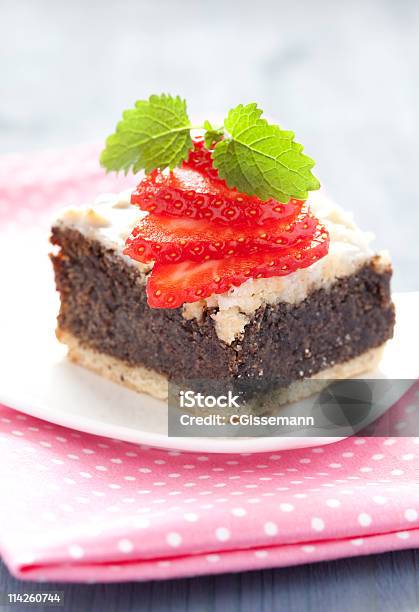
110,219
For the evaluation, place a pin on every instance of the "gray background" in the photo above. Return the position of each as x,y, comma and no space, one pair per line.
342,75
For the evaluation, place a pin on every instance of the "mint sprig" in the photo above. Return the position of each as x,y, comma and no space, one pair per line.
154,134
250,154
261,159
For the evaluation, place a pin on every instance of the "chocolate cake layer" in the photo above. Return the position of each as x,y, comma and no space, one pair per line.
104,304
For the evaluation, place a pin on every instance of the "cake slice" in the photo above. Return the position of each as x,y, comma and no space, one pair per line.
168,283
331,319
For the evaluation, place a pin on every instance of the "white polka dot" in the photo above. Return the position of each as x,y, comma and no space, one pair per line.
317,450
377,457
364,519
317,523
75,551
88,451
357,541
191,517
85,475
270,528
222,534
101,468
308,548
335,465
286,507
141,523
396,472
359,441
261,554
333,503
212,558
238,512
16,432
305,460
379,499
125,545
365,469
408,457
115,460
347,455
389,442
174,539
403,535
410,514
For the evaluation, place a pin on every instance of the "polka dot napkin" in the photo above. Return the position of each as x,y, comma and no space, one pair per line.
77,507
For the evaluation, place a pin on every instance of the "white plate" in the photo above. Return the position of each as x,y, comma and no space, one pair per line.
36,378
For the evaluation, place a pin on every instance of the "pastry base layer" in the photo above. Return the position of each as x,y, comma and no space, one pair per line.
148,381
137,378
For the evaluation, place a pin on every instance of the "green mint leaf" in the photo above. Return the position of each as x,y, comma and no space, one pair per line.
212,135
154,134
261,159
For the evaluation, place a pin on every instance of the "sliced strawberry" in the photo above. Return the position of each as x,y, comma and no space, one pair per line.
185,192
172,284
165,239
200,159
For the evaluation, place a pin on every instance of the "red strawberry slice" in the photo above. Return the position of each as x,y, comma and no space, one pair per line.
172,284
169,240
200,159
186,192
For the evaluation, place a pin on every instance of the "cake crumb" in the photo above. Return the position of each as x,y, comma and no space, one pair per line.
90,217
194,310
230,324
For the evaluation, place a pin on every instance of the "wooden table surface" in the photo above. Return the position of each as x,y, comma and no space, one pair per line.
344,76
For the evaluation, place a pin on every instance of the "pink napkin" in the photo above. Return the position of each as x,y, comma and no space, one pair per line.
76,507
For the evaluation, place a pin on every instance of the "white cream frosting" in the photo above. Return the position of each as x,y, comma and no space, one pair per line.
111,218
